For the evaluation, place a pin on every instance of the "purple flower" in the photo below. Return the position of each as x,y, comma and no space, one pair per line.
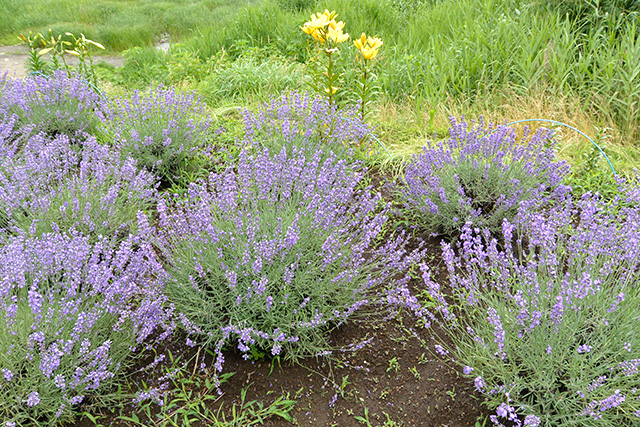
286,246
33,399
532,421
480,384
467,370
584,348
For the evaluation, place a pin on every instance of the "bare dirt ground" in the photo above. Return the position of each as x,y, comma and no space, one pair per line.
13,60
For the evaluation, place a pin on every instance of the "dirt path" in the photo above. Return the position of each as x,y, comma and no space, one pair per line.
13,60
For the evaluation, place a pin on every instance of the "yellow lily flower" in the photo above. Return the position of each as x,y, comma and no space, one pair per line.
361,42
318,21
336,25
313,32
337,35
375,42
331,16
368,46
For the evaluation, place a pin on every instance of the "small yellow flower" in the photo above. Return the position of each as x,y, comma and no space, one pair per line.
375,42
331,16
361,42
313,32
368,46
318,20
337,35
339,25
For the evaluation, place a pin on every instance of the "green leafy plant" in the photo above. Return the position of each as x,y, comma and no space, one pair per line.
162,130
546,326
59,47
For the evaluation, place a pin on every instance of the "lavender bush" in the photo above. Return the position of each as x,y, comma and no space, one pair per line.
479,177
54,105
548,326
295,119
74,313
274,253
58,184
161,130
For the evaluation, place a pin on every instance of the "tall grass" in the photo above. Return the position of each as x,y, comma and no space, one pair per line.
434,51
119,24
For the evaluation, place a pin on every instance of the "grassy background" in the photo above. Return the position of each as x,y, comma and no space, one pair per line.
505,60
117,24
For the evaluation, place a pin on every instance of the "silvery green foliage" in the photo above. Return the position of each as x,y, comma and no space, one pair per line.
277,251
548,325
480,176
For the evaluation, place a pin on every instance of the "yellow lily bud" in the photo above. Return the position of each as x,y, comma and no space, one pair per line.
331,90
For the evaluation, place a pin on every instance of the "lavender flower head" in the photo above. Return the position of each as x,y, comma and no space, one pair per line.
160,129
561,289
59,184
73,311
299,119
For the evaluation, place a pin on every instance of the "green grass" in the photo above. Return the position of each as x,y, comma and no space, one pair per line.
435,52
118,24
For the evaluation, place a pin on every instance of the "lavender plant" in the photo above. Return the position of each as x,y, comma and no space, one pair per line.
56,185
480,177
296,119
161,130
54,105
547,326
274,254
74,314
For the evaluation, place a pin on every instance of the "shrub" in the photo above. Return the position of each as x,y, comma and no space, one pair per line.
274,255
548,327
73,314
300,119
53,105
479,176
161,130
55,184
